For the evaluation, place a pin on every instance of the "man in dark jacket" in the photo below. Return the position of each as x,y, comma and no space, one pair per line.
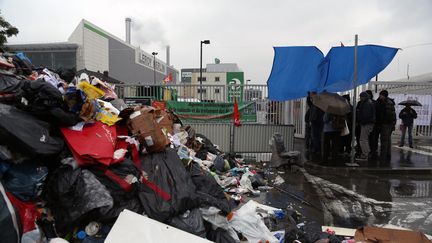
373,141
385,123
316,121
366,119
407,115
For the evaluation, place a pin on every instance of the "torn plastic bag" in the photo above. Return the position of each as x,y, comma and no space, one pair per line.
212,215
25,180
219,235
177,191
82,144
71,194
246,221
124,194
27,133
28,212
208,190
190,221
9,223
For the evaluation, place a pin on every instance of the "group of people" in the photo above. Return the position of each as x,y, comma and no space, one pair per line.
328,136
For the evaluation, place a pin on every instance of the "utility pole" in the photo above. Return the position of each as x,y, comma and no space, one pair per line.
201,44
354,101
154,67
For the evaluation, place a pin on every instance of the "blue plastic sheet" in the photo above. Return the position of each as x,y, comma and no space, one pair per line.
298,70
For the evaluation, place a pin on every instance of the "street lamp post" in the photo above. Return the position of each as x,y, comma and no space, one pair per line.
154,67
202,42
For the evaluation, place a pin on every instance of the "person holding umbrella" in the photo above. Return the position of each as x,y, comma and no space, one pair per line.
366,119
407,115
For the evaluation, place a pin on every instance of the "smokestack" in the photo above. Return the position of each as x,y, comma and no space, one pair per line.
128,30
168,56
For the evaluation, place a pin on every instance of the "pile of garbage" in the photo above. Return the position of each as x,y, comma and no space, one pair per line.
73,157
78,165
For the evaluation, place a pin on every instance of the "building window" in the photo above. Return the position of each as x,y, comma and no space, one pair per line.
217,79
203,79
217,91
203,91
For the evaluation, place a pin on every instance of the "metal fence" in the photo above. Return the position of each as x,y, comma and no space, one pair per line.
268,112
251,140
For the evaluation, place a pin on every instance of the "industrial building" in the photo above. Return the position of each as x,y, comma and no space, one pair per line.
216,80
92,48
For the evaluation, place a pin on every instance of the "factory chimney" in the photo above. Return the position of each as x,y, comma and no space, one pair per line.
168,56
128,30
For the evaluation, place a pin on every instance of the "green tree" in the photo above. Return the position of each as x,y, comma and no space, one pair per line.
6,30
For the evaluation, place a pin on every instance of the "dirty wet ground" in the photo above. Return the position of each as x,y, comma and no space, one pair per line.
334,197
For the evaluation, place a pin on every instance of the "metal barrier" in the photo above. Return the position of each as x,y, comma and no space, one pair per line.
246,139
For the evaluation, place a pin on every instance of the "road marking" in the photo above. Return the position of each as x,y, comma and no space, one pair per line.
414,150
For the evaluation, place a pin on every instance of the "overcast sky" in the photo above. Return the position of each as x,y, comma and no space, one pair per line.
241,31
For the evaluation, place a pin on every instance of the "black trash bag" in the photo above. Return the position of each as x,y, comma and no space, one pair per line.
9,225
46,102
24,132
309,233
218,235
208,191
219,163
25,181
71,194
167,172
208,145
257,181
10,84
191,221
122,199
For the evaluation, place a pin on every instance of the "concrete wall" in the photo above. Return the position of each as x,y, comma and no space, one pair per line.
77,37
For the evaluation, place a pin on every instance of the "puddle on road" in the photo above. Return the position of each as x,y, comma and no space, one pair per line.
356,201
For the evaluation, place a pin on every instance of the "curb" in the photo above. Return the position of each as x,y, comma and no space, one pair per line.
309,166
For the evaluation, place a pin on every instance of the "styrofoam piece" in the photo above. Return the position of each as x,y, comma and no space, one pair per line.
131,227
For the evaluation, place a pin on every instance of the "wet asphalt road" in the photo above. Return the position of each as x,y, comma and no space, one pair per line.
353,200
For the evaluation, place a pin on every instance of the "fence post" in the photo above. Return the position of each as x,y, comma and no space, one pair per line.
232,137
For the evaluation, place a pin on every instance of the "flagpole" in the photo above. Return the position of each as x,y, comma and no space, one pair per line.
354,102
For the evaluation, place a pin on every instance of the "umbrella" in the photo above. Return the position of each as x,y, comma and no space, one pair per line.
331,103
410,103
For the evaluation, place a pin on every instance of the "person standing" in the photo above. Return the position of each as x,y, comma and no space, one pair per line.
373,141
407,115
385,123
332,136
316,120
346,140
366,119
